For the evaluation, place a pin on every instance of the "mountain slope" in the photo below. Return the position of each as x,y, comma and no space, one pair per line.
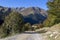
32,15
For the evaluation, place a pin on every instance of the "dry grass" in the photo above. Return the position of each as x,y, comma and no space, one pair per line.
55,27
53,33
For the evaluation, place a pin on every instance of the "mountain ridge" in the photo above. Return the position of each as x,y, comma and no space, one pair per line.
32,15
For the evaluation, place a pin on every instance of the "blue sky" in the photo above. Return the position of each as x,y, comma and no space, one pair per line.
24,3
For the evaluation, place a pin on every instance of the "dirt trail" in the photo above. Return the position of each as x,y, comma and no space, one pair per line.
35,37
26,36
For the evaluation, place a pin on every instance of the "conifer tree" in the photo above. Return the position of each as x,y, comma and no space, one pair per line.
54,9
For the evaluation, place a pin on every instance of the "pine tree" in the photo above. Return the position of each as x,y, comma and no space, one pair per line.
54,9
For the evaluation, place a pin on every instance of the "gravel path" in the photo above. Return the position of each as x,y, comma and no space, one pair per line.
25,36
35,37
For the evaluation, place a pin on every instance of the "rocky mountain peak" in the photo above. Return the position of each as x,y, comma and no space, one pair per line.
32,15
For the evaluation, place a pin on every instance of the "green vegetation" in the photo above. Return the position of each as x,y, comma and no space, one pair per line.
13,24
53,13
54,8
27,26
49,21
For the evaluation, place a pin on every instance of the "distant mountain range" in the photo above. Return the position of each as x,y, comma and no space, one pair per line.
32,15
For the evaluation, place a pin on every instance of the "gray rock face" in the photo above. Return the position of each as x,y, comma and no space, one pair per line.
34,15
